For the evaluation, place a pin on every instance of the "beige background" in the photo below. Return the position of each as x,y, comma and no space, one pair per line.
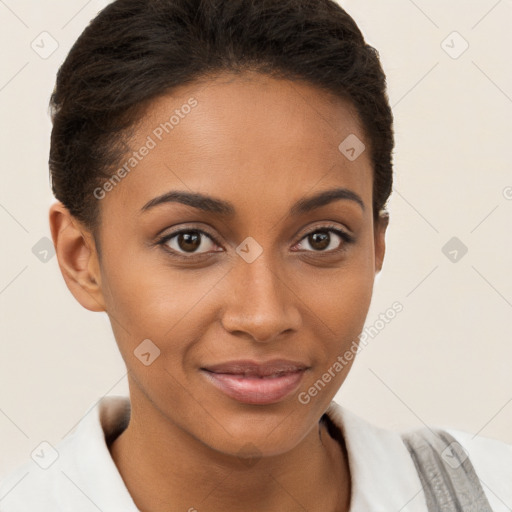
444,360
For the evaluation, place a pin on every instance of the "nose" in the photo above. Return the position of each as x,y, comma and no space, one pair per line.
260,303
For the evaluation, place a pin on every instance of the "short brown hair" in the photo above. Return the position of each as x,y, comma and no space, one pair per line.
137,50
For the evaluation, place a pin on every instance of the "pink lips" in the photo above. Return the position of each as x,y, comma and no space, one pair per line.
256,383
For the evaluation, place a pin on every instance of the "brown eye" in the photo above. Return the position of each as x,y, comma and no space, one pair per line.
189,242
322,240
319,240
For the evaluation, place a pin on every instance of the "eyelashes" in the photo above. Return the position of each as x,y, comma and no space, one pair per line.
200,235
166,238
345,237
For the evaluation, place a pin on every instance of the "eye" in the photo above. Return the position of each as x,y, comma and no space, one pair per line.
188,241
321,240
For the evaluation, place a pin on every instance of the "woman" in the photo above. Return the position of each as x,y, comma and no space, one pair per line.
222,171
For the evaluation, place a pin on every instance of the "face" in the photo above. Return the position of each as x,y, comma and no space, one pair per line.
247,290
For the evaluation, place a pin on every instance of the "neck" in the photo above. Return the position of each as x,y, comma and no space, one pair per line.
175,471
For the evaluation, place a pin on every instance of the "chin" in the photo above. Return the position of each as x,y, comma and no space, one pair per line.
258,431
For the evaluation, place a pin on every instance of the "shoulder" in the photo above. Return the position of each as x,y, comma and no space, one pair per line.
33,485
78,473
379,459
492,460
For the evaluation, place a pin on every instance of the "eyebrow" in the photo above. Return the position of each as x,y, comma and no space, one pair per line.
220,207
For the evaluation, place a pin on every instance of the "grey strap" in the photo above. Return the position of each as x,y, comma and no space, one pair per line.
448,478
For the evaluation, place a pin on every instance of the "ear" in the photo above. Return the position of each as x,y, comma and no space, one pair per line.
77,257
380,239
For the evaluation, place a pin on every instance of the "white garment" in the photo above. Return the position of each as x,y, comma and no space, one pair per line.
84,478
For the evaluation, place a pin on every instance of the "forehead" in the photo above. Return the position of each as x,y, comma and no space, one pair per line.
251,137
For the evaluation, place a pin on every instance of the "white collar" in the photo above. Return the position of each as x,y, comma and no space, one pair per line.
383,475
91,466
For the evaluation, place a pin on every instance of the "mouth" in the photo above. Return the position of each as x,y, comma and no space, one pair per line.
256,383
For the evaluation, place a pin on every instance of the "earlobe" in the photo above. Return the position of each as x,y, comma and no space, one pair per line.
380,239
77,257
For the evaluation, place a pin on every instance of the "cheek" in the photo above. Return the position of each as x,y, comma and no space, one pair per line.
340,300
147,299
344,292
342,308
343,311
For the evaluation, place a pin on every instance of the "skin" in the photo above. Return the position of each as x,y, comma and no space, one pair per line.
261,144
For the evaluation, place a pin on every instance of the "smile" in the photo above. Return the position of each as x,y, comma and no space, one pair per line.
253,383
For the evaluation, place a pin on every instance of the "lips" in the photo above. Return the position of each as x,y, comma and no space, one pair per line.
256,383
